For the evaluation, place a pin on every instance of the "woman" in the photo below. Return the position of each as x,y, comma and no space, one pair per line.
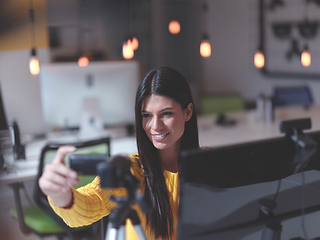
165,124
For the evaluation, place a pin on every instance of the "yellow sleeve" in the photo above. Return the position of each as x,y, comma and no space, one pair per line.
91,202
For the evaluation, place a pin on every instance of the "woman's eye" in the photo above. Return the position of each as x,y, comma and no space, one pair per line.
167,113
146,115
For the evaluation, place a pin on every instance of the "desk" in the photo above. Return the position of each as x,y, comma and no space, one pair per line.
248,129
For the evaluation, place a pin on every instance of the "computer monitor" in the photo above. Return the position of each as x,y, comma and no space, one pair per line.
64,87
284,96
4,129
221,190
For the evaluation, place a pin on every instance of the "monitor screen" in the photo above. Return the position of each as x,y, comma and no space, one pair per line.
3,118
64,87
223,190
293,96
4,128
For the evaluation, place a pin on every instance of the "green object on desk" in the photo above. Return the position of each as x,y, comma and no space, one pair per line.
219,104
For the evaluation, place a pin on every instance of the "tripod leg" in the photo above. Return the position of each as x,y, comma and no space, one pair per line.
136,224
122,233
140,232
112,233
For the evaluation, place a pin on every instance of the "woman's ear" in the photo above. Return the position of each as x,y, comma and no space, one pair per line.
189,111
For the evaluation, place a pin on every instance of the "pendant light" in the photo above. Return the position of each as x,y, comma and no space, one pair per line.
259,56
127,46
307,30
127,50
205,47
306,57
83,61
135,43
134,39
34,65
259,60
174,27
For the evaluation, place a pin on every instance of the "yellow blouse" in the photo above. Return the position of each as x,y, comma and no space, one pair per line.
91,203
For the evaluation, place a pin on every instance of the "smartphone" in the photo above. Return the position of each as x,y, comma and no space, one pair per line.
86,164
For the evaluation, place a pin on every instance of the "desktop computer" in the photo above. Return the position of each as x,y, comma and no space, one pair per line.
234,191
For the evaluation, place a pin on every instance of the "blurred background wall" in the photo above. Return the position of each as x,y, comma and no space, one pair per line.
65,29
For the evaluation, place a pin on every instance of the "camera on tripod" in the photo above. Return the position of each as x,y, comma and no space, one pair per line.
114,172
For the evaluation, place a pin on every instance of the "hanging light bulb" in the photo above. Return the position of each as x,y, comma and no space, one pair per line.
306,57
259,59
127,50
34,63
135,43
83,61
205,47
174,27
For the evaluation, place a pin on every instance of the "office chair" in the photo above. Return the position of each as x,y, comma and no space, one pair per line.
221,104
40,219
285,96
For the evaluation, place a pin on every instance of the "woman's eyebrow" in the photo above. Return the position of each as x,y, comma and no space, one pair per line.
166,109
162,110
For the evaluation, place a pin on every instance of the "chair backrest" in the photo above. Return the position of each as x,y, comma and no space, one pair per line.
219,104
98,146
284,96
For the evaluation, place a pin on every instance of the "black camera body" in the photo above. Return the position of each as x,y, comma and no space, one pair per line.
113,171
86,164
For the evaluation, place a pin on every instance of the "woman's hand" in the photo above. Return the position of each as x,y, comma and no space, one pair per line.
57,179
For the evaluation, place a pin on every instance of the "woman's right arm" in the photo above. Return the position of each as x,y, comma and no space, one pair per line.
57,179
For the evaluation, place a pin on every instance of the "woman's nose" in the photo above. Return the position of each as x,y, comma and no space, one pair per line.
157,123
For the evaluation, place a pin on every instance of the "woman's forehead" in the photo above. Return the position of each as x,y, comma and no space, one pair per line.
154,101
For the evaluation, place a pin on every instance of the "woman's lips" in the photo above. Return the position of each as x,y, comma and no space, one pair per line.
159,137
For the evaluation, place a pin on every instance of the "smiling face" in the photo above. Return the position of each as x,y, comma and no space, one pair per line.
163,120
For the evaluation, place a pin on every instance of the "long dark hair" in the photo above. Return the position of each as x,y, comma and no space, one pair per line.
168,82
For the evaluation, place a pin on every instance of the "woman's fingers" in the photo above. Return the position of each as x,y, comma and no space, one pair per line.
60,174
61,169
48,187
62,152
57,177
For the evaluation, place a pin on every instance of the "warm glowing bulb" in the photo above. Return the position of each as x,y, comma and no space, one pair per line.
305,58
174,27
135,43
205,48
259,59
34,66
83,61
127,50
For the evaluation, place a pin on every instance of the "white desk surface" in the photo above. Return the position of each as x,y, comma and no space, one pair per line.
247,129
26,170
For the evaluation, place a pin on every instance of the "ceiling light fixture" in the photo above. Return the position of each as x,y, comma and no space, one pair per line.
174,27
259,60
127,50
135,43
34,65
205,46
128,45
83,61
306,57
